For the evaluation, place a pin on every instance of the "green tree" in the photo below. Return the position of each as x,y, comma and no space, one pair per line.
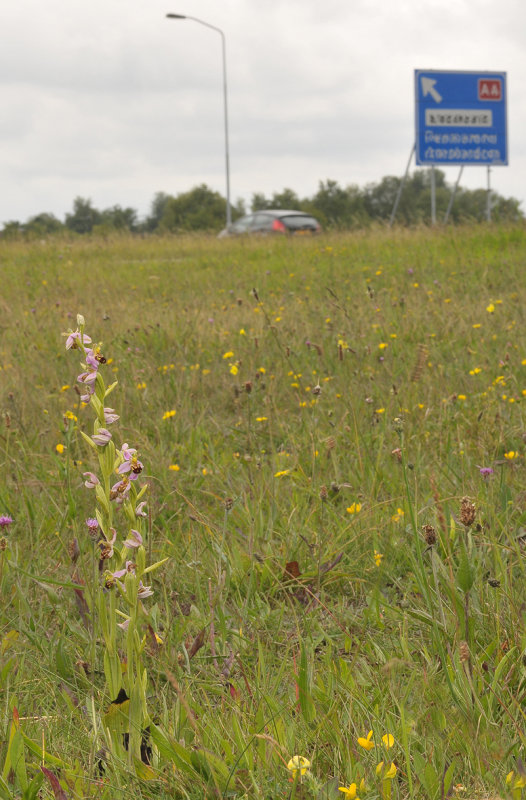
43,224
157,207
337,207
120,219
259,202
84,216
286,200
12,229
199,209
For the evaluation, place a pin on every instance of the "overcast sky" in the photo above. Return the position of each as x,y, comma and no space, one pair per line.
109,100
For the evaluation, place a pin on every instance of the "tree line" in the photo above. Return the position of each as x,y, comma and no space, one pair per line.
335,206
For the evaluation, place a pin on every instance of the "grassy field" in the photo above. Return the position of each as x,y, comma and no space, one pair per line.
324,492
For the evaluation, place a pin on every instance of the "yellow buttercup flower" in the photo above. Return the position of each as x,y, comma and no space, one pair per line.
367,743
298,765
60,448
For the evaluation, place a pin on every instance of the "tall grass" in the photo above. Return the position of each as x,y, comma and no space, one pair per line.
335,400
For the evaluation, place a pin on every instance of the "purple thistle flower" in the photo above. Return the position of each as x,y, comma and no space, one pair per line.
91,480
102,437
5,521
486,471
93,527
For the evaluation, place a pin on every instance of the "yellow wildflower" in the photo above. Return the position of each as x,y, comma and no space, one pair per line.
228,354
168,414
378,558
298,765
490,309
354,508
60,448
367,743
174,467
349,792
388,740
386,773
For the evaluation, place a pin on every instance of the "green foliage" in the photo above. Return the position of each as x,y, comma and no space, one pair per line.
336,207
295,441
198,209
83,217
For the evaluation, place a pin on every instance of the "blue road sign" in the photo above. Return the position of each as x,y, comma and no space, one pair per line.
461,118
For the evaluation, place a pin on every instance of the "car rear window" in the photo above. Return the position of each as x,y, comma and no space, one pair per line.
297,221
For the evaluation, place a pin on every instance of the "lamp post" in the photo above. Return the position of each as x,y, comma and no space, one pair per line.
225,104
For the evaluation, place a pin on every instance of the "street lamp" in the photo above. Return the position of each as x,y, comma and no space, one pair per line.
227,158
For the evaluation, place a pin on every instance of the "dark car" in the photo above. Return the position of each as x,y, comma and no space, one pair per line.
273,221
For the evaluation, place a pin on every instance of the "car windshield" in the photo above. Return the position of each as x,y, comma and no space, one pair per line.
296,221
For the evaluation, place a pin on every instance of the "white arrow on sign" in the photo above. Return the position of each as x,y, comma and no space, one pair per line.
428,87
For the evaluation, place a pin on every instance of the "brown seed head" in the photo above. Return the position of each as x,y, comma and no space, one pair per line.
3,544
430,534
467,512
323,493
248,387
229,503
463,651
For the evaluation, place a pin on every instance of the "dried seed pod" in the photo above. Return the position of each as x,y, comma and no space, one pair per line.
430,534
467,512
463,650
